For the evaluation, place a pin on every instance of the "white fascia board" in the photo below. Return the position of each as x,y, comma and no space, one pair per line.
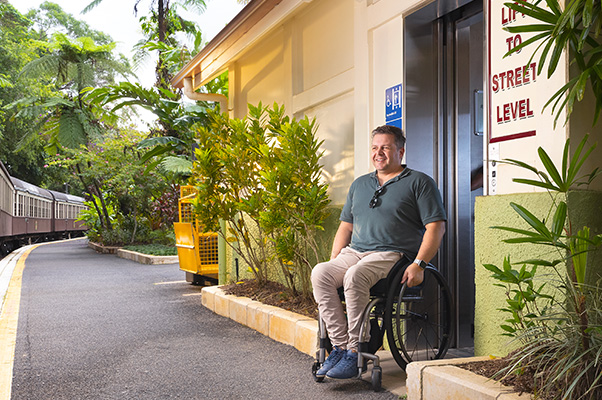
218,60
330,89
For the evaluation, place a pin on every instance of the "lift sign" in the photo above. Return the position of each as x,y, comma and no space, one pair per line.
393,106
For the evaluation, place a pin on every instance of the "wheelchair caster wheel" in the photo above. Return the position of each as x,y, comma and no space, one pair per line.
377,379
314,369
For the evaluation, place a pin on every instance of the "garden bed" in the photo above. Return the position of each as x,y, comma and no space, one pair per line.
273,294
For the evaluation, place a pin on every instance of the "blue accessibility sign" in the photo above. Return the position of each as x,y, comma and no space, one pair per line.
393,106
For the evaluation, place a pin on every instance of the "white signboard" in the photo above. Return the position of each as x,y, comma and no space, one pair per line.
514,102
517,124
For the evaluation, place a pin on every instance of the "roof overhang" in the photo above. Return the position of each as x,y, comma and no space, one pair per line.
251,23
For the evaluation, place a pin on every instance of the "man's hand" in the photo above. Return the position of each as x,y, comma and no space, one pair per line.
413,275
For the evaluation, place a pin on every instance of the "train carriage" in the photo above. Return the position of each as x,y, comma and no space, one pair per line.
7,195
66,211
32,212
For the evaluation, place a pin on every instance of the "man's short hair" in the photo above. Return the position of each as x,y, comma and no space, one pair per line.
400,140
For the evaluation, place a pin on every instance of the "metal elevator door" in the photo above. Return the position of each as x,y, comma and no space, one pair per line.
443,75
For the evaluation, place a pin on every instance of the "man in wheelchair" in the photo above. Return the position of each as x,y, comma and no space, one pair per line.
391,212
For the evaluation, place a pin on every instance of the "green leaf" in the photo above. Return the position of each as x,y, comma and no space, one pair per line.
492,268
177,165
531,182
552,170
559,219
531,219
579,245
544,263
532,10
161,140
522,164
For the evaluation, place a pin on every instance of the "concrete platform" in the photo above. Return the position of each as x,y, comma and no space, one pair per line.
288,327
428,380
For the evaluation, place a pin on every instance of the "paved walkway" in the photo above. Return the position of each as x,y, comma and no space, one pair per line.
94,326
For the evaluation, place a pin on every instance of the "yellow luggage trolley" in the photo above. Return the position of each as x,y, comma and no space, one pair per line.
197,251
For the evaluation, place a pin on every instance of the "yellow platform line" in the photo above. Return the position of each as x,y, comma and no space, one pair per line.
8,326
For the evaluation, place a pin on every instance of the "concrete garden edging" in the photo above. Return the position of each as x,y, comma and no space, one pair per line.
99,248
133,255
146,258
284,326
444,380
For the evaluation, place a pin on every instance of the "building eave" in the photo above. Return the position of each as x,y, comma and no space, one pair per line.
246,19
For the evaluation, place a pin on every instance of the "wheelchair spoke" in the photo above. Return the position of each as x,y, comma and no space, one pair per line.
418,320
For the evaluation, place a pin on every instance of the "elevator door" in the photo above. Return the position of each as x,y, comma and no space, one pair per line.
443,72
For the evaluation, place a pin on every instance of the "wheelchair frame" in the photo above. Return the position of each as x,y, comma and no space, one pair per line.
403,313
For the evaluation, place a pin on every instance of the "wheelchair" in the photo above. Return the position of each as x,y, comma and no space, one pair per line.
417,322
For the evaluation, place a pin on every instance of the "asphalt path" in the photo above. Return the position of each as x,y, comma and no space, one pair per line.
94,326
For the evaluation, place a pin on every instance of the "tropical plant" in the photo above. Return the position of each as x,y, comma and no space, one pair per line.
173,55
49,17
74,64
227,178
565,316
295,194
526,303
134,196
171,146
92,217
261,176
64,118
576,27
23,40
164,18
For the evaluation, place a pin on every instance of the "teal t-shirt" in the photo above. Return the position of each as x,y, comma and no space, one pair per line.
396,223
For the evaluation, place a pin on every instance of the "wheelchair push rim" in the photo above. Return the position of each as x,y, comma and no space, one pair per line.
419,320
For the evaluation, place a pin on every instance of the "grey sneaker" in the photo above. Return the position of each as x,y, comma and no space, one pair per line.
346,368
333,359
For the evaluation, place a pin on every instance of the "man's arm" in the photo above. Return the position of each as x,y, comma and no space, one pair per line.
342,238
431,241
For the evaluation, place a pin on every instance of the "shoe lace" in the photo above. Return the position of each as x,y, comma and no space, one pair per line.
335,354
349,360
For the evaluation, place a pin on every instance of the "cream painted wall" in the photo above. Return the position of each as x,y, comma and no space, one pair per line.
385,69
261,76
326,35
378,65
306,63
337,134
386,64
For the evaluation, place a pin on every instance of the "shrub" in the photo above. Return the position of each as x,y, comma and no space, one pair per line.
262,176
560,328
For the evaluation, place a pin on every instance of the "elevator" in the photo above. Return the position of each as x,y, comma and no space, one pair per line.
443,75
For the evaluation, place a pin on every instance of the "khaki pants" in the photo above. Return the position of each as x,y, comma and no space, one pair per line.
356,272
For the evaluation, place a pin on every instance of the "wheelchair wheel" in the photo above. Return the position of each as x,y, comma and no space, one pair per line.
418,320
377,379
314,369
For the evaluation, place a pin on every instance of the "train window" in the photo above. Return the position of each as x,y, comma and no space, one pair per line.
20,211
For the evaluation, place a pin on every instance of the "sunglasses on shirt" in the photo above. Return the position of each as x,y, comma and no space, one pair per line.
374,202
